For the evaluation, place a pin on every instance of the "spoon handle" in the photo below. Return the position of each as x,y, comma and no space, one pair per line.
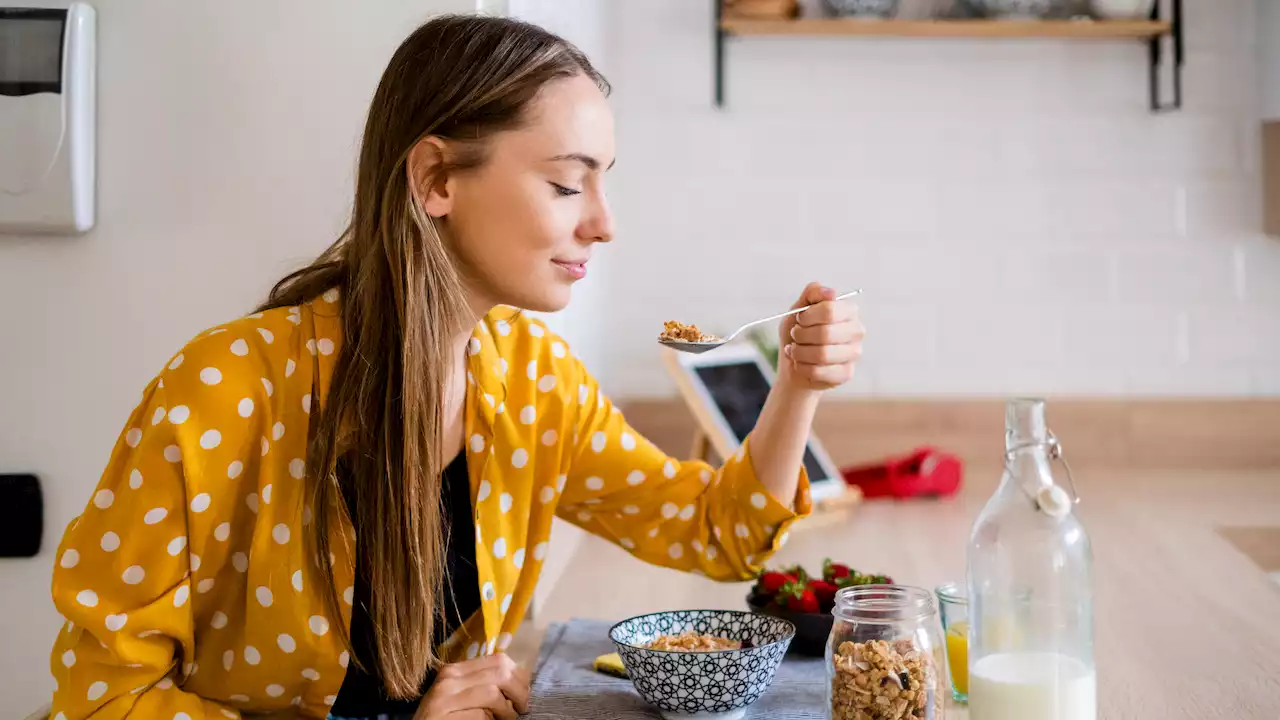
753,323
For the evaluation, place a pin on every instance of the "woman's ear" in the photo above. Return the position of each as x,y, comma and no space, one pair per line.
430,184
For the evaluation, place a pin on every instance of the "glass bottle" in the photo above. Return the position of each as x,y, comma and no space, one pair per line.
1030,587
884,655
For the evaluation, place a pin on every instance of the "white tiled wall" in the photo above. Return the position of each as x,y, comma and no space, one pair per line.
1018,218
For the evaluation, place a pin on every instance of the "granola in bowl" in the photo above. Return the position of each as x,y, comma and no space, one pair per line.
693,642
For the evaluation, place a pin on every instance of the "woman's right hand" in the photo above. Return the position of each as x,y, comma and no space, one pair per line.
491,687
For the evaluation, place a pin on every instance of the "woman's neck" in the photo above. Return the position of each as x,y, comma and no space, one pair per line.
455,395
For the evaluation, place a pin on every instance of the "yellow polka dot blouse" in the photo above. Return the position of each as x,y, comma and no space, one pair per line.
184,583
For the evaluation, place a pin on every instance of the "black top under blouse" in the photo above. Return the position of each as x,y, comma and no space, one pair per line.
362,693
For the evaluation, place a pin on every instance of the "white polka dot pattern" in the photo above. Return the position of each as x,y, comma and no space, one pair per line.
176,545
216,528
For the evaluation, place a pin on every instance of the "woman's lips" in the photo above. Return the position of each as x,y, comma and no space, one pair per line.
575,270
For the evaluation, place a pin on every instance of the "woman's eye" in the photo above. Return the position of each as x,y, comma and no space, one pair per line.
564,191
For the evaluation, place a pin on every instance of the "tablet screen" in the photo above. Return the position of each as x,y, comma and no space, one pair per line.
739,391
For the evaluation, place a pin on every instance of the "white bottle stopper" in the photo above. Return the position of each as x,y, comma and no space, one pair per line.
1054,501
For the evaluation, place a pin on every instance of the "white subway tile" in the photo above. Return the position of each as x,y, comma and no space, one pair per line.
1006,208
1250,145
1062,274
852,209
1115,338
901,377
1259,262
1220,26
1186,143
1221,207
1002,335
1266,378
1228,334
901,333
1063,144
1215,83
1106,77
1005,379
940,273
1113,207
1191,380
1175,276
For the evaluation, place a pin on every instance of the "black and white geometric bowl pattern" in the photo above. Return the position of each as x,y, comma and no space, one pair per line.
862,8
703,684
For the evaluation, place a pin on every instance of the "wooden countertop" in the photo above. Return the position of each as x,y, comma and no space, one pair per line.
1187,625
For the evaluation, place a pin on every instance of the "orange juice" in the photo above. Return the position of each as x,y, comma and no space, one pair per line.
958,655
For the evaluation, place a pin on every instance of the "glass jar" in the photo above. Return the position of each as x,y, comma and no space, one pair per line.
885,655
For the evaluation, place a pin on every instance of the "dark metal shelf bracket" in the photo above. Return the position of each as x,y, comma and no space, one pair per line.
719,40
1157,42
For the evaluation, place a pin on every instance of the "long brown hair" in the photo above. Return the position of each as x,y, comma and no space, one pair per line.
460,79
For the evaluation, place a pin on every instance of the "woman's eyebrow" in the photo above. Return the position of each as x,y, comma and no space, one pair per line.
590,162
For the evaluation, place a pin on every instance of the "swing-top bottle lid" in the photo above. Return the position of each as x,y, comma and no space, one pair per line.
1053,501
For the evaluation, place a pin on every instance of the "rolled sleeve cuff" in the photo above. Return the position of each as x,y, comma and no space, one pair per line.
763,522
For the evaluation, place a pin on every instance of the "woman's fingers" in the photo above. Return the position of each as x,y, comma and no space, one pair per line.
493,685
844,332
824,354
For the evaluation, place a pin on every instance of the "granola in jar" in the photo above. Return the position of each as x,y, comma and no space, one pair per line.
885,655
879,680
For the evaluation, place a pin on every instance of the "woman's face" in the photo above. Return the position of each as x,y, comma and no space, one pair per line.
525,222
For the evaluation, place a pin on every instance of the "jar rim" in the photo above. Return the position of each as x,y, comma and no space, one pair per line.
952,592
883,603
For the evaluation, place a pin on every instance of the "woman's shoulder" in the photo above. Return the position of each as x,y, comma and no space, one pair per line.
534,351
246,361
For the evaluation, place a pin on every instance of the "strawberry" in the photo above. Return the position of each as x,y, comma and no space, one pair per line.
797,572
772,581
798,598
832,572
805,603
825,592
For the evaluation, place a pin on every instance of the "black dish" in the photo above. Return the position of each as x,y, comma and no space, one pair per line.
812,629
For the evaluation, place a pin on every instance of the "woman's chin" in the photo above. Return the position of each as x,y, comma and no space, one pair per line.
547,300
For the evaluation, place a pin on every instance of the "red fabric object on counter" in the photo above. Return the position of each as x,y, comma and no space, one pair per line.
926,471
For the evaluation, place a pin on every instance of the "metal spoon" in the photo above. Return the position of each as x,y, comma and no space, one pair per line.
701,347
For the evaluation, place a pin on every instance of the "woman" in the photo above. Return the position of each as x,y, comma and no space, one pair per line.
340,504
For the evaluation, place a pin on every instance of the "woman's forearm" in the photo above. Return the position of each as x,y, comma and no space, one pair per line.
779,437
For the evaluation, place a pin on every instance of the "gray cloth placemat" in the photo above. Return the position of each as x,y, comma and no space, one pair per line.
565,686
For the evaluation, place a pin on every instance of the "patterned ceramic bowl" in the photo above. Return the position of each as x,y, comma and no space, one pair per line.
717,685
1017,9
862,8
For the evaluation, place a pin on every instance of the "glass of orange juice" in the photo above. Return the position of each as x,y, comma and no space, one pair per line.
953,606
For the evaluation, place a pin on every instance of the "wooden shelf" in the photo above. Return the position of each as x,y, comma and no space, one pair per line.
1160,31
1013,29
